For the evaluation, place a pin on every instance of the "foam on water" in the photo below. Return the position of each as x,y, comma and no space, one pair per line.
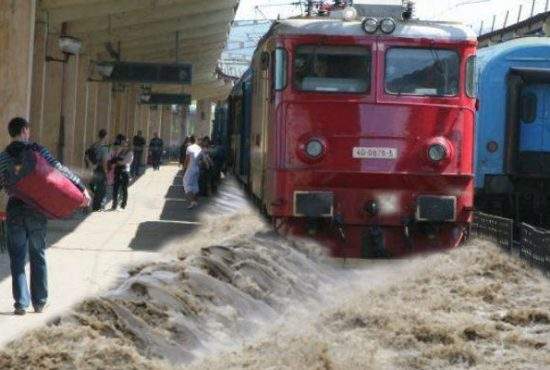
236,296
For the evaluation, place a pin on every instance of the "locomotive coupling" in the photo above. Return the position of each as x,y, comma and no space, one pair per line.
373,245
338,223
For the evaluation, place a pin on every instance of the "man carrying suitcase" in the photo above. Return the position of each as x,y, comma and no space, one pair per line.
26,226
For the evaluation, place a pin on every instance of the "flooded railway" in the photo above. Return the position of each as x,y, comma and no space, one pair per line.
353,123
236,295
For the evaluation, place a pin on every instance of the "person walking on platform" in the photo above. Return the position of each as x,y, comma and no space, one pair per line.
156,146
218,160
191,176
205,167
26,226
122,161
183,151
98,154
138,144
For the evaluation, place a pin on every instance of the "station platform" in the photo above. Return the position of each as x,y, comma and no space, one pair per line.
90,254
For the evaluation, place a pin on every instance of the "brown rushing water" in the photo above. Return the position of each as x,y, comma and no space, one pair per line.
253,300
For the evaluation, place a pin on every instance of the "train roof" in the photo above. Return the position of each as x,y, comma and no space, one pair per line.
525,51
504,49
443,31
245,78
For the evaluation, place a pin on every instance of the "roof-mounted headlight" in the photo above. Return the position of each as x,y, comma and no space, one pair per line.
349,14
388,25
370,25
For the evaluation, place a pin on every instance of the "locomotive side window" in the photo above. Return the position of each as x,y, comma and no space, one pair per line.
332,69
423,72
471,77
280,67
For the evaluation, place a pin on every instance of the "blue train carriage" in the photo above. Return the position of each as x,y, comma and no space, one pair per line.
513,130
219,128
239,130
220,137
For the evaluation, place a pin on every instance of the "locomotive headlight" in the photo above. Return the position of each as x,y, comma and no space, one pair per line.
437,152
314,148
388,25
370,25
349,14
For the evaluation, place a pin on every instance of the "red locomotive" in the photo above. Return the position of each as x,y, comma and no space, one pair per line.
358,130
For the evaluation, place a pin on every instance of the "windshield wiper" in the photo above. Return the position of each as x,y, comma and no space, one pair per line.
438,61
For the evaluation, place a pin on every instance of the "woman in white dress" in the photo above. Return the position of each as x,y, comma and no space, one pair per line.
192,171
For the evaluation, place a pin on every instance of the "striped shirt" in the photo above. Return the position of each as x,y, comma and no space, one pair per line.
6,161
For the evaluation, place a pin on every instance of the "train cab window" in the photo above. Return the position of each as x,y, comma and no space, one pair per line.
332,69
422,72
471,77
279,69
529,108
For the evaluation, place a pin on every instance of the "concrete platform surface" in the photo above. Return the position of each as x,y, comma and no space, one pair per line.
88,254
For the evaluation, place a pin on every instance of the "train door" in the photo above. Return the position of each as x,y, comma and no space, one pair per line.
245,130
260,113
534,135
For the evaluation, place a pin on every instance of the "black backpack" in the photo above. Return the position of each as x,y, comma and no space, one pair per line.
90,155
23,162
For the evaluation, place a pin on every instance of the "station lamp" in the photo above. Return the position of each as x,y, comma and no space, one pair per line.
105,69
145,97
69,46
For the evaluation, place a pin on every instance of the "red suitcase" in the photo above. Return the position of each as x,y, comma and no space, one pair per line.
43,187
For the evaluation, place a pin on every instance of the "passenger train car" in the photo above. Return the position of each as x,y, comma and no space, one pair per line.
358,131
240,123
513,130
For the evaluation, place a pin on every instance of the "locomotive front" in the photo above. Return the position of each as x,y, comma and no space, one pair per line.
369,136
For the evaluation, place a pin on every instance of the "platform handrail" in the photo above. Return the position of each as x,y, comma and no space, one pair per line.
497,229
531,243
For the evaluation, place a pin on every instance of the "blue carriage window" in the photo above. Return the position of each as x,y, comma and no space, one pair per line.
528,108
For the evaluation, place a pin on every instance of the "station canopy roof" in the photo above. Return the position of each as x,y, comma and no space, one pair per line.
151,31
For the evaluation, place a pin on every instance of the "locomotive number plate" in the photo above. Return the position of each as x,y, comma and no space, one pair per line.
374,153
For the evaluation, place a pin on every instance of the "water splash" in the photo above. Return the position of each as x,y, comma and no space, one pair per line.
252,299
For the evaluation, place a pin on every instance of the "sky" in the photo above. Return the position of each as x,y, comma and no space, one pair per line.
455,10
470,12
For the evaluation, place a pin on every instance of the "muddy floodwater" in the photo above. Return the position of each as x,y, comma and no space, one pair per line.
238,296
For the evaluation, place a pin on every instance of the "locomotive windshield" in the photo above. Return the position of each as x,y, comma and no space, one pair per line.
332,68
426,72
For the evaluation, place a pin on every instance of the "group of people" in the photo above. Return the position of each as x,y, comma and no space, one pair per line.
202,164
115,165
112,164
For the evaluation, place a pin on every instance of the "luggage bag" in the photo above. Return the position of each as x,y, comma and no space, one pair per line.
43,187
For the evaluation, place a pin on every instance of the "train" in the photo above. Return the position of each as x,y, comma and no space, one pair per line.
513,130
356,128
